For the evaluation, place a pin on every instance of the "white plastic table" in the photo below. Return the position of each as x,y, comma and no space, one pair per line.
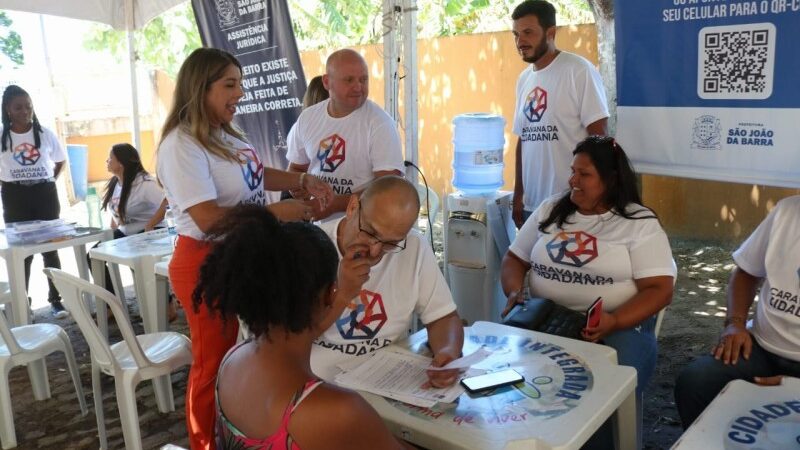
747,416
15,255
140,252
571,388
161,270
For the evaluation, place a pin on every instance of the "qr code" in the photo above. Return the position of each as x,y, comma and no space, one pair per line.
736,62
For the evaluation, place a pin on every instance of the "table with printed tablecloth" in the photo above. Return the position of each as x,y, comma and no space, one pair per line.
571,388
745,416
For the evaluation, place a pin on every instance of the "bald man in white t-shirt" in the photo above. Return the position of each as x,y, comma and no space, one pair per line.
346,140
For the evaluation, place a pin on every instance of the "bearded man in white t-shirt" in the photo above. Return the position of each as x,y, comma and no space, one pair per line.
770,349
404,279
346,140
560,101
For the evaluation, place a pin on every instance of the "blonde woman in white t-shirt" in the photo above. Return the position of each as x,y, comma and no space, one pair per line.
30,161
207,167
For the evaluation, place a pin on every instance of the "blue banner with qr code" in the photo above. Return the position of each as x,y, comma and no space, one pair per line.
708,88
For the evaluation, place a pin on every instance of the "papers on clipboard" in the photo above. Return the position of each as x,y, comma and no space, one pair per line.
399,375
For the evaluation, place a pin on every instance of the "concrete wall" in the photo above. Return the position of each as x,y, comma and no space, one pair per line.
478,73
99,145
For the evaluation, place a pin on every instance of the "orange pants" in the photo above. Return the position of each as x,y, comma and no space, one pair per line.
211,338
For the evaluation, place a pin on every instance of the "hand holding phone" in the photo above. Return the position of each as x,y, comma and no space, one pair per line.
493,380
594,312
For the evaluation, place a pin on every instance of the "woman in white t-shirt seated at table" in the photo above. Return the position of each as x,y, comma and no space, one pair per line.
597,240
132,195
134,198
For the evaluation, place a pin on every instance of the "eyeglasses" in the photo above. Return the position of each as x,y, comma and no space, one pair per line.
386,247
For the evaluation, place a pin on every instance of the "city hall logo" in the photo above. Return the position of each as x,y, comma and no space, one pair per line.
364,317
706,133
535,104
252,168
331,153
226,13
26,154
573,248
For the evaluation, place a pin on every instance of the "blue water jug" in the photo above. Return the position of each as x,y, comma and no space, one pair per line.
78,156
478,143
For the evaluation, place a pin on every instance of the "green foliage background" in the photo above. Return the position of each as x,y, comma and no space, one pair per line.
167,40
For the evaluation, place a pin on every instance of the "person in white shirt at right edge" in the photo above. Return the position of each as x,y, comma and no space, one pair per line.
770,349
597,239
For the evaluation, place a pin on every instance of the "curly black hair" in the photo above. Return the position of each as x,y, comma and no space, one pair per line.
270,274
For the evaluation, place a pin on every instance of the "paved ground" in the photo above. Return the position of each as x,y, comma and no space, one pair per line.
56,423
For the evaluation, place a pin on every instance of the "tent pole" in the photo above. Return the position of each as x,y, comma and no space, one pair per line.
410,85
390,57
129,27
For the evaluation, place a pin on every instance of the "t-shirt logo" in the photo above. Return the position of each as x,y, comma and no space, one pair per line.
331,153
364,317
252,168
535,104
573,248
26,154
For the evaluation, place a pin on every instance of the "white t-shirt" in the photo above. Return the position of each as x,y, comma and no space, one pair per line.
23,161
595,256
399,285
554,107
143,200
772,252
345,151
191,175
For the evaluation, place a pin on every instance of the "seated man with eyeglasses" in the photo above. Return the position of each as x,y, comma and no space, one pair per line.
404,278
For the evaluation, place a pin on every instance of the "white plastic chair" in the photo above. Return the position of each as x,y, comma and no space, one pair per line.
24,345
152,356
5,295
429,207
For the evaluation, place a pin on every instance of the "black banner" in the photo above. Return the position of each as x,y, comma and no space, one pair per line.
259,33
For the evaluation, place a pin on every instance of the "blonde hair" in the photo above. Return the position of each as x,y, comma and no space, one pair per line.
315,93
202,68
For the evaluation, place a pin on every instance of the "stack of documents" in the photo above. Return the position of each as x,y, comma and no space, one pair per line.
38,231
398,374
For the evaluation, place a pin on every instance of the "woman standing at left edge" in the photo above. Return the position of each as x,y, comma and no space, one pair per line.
30,161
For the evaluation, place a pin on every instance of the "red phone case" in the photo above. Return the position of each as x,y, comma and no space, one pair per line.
594,312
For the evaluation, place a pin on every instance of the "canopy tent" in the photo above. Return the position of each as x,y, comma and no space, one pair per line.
127,15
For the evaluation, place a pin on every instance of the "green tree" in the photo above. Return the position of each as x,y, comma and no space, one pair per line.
10,42
337,23
169,38
163,43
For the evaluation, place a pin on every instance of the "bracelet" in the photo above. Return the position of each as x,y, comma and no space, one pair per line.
734,320
302,179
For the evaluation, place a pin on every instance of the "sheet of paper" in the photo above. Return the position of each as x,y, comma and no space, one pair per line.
397,375
466,361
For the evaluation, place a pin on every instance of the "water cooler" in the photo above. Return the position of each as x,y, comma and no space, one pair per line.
477,232
478,227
